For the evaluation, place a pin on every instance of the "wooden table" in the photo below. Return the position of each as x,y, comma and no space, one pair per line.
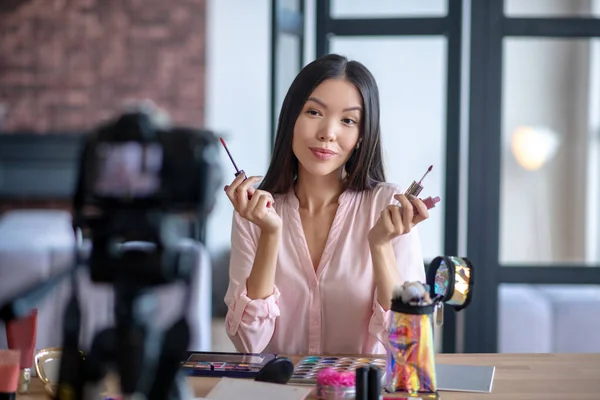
517,377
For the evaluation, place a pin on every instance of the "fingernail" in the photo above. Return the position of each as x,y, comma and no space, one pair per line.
268,204
226,187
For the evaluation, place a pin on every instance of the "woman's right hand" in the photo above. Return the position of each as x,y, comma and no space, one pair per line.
253,205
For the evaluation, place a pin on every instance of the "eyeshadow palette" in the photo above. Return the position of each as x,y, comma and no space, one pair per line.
233,365
307,369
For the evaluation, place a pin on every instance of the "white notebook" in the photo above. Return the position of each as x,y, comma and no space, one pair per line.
232,389
464,378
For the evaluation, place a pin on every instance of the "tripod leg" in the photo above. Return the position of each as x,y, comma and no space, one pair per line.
138,341
71,373
180,389
174,346
101,354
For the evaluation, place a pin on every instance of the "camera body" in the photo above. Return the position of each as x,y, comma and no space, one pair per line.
139,182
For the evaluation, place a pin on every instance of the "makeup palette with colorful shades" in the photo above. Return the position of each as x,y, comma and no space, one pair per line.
307,369
232,365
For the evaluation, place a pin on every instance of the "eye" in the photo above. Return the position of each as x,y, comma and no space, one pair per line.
348,121
313,112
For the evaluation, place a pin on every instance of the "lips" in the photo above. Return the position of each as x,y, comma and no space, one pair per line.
322,154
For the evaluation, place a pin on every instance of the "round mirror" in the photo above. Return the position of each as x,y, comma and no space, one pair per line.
47,367
450,281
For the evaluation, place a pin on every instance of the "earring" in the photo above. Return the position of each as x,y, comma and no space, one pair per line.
358,144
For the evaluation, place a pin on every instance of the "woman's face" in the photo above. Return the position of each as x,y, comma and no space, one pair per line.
328,127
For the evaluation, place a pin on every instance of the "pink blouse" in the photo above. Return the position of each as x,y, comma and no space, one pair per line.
331,311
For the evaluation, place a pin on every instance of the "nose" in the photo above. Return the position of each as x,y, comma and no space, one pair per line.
328,132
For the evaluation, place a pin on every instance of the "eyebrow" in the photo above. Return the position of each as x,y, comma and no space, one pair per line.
322,104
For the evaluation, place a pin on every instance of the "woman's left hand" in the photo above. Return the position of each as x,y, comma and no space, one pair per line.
396,220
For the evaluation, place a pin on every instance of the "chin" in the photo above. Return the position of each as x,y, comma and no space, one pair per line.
322,169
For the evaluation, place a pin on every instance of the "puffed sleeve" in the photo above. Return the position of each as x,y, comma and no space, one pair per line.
249,323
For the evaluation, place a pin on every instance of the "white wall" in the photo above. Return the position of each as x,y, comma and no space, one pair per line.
592,239
388,8
548,8
237,94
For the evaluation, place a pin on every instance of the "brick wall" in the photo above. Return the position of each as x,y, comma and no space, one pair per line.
65,65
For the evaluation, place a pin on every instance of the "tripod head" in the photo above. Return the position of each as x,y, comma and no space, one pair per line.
139,187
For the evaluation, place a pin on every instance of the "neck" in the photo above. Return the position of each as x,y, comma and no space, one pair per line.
316,193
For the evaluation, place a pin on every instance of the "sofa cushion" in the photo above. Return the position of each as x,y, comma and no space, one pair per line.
524,320
575,324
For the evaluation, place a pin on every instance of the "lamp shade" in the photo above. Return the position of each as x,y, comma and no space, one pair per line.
533,147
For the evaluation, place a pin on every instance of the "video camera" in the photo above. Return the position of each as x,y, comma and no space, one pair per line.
140,182
133,163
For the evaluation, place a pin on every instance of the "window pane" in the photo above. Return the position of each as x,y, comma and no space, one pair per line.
290,5
388,8
551,8
287,67
550,148
411,75
548,318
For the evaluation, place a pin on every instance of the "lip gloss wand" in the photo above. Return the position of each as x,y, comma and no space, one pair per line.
416,187
237,170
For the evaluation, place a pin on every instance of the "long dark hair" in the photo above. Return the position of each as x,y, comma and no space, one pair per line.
365,165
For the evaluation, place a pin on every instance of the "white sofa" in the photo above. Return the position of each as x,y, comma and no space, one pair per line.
37,244
524,320
549,319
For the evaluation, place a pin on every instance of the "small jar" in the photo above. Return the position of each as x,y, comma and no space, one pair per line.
325,392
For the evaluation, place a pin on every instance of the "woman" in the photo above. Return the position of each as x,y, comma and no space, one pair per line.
318,248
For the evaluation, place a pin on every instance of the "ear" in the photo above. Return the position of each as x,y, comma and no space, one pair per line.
358,143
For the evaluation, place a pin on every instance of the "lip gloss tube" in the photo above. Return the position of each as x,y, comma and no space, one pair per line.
416,188
9,374
21,335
